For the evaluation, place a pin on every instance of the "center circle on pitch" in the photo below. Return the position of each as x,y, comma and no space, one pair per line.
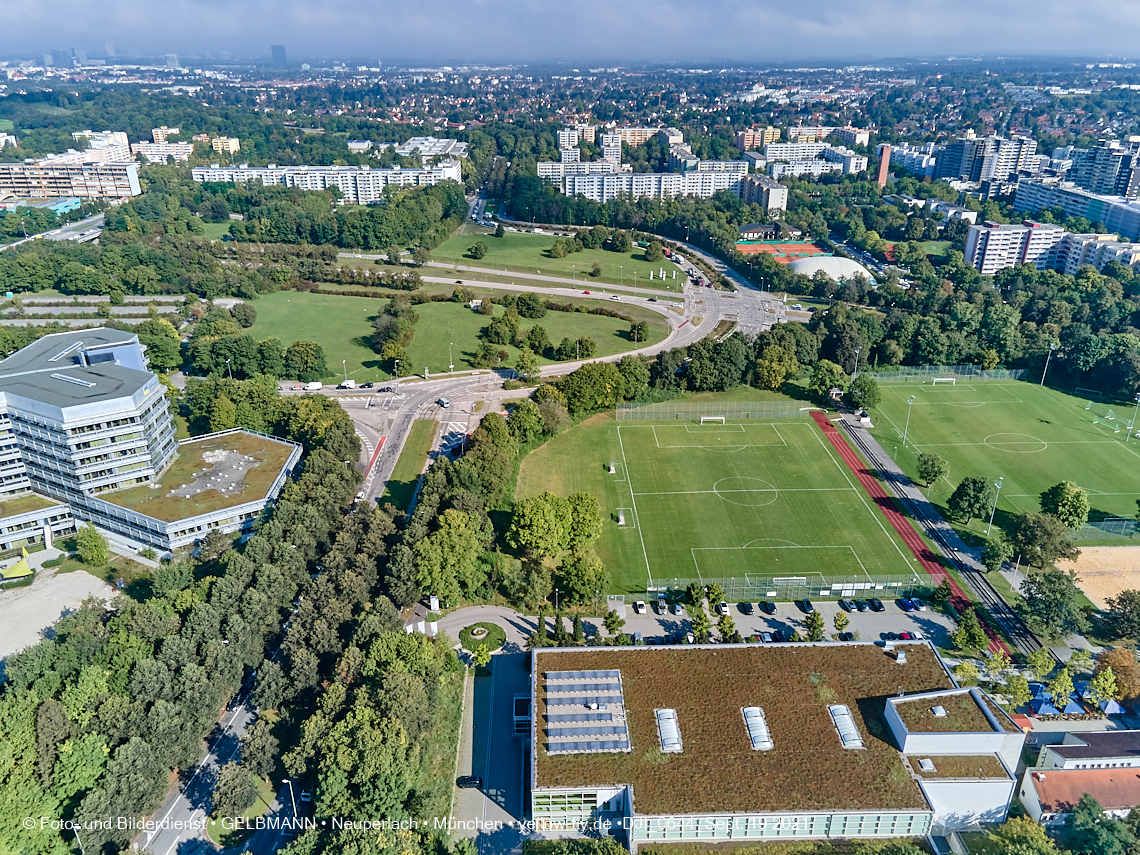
751,492
1017,443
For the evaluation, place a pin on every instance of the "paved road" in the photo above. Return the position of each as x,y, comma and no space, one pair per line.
87,229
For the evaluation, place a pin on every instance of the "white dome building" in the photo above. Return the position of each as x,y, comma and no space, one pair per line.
835,266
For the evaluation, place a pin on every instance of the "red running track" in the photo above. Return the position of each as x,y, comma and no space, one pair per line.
901,524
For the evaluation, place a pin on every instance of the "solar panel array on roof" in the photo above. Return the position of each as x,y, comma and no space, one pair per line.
578,695
669,731
844,723
757,729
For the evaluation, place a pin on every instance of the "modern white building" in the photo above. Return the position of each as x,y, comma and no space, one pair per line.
53,178
358,185
1116,213
359,146
794,150
656,185
764,191
84,422
611,148
232,145
852,136
918,160
101,139
554,170
570,155
8,140
429,147
568,138
815,168
851,162
161,152
992,246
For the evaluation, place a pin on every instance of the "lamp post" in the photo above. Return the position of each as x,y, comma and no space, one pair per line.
596,612
230,373
1052,347
291,798
621,275
396,371
1134,412
344,368
909,403
856,372
451,362
994,509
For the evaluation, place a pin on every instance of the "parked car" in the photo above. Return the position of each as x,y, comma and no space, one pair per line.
767,607
677,609
906,605
918,604
876,604
662,605
806,606
846,636
367,385
360,496
585,292
891,636
469,782
798,307
297,387
639,607
847,605
637,639
778,635
862,605
443,402
722,609
767,636
906,636
747,608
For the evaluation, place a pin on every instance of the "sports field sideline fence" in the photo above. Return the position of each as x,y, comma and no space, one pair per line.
671,410
1111,526
749,588
922,373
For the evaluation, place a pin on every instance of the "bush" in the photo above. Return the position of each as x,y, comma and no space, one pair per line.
92,546
495,638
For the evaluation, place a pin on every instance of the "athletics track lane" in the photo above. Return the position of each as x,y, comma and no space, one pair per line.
901,524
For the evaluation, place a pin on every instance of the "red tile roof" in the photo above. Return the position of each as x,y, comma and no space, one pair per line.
1061,789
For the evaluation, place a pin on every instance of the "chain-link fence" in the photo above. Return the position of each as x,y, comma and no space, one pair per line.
693,410
751,588
923,373
1110,526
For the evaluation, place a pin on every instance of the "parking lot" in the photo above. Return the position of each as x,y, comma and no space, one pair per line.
868,626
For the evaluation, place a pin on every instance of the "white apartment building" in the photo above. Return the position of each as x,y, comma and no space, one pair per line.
656,185
570,155
356,146
991,246
611,148
358,185
793,150
852,136
739,167
801,133
232,145
53,178
161,152
764,191
429,147
100,139
851,162
640,136
803,167
918,160
8,140
160,135
555,170
568,138
105,154
1117,214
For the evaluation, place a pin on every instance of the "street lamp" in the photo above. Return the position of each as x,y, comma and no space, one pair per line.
291,798
596,613
909,403
621,275
994,509
1134,412
230,373
396,371
344,367
856,373
451,362
1052,347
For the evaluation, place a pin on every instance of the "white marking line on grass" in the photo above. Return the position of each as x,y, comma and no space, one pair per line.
695,549
1018,442
863,498
633,499
756,490
714,428
718,429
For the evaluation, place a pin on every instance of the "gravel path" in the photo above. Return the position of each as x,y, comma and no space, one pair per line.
25,613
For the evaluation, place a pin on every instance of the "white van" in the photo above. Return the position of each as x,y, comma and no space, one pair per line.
314,386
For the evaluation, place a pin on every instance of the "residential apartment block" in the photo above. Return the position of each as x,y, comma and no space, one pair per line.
1115,213
918,160
656,185
764,191
852,136
429,147
991,247
53,178
101,139
974,158
232,145
758,138
161,152
358,185
8,140
798,150
555,170
160,135
803,167
1111,168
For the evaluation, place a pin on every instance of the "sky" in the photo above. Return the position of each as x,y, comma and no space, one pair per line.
611,32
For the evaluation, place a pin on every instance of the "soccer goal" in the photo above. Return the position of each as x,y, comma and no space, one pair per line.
715,420
953,381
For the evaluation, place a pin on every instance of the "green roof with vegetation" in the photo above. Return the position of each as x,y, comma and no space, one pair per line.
961,766
963,714
22,504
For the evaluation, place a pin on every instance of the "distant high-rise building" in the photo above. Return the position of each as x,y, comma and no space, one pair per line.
884,165
172,60
279,59
109,49
60,58
990,159
79,55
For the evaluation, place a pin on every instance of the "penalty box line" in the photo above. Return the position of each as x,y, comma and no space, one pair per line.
751,490
696,564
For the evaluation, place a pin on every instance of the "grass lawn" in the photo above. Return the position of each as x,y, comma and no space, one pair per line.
215,231
406,473
1030,436
135,576
758,499
6,125
158,502
343,327
527,253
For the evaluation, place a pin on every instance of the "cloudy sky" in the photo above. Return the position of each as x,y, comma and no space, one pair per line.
581,31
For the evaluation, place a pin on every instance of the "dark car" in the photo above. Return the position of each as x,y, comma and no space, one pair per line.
367,385
469,782
747,608
876,604
846,636
862,605
847,605
778,635
767,607
906,605
891,636
806,606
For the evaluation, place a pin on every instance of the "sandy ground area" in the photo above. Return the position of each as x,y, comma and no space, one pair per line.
1105,571
26,612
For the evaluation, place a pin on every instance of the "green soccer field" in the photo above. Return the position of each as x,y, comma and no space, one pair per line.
758,499
1030,436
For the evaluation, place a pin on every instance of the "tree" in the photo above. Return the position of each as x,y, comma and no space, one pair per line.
421,255
92,546
1061,687
531,305
726,627
526,365
613,622
581,574
234,792
695,594
1080,660
655,251
824,377
585,521
579,632
1041,539
596,270
595,386
1040,661
996,552
865,392
305,360
478,250
555,419
973,497
259,748
716,594
481,656
244,314
540,524
638,331
813,623
702,626
966,673
1123,614
1017,689
1053,602
943,592
499,232
1068,503
1102,687
1090,832
970,634
931,467
1021,835
525,421
842,621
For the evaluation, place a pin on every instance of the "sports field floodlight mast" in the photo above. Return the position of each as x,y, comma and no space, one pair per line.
1052,347
909,404
994,509
1134,412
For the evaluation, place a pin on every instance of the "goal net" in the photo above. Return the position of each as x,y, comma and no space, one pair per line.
712,420
953,381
